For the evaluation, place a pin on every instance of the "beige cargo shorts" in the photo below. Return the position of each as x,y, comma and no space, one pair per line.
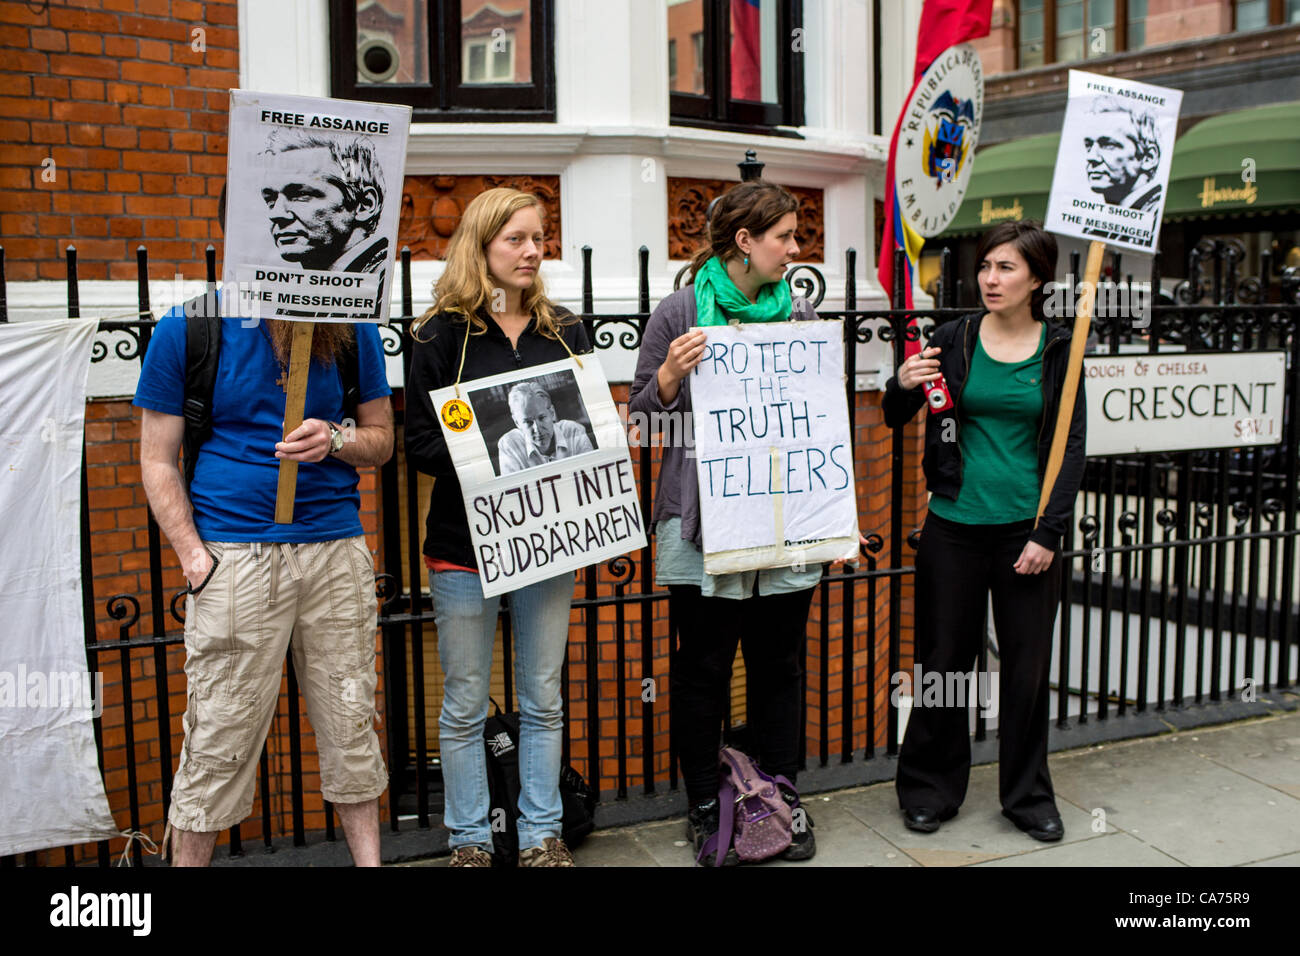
237,630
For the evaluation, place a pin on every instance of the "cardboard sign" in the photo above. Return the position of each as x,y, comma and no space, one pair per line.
1177,401
774,459
313,193
1112,168
542,459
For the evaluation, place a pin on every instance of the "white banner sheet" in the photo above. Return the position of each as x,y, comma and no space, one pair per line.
542,458
774,456
313,196
51,792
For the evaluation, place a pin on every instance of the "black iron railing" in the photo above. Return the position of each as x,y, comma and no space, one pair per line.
1156,537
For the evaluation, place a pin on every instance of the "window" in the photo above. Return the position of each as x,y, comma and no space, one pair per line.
1261,14
697,73
450,60
746,63
1067,31
1137,24
1084,29
1031,33
488,60
1252,14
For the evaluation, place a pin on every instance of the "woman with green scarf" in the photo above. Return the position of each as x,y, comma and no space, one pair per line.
737,277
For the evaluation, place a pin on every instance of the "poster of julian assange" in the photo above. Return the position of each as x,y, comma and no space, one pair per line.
312,194
542,458
1112,168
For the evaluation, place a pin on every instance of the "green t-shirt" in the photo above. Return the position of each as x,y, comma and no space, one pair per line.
1001,413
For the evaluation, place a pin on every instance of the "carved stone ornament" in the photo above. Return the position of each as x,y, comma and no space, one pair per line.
432,207
688,204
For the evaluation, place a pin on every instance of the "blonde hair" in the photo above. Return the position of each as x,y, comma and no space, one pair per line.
465,286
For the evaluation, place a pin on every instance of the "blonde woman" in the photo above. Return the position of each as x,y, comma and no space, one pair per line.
491,315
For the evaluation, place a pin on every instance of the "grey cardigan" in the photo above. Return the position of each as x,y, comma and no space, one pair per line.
678,493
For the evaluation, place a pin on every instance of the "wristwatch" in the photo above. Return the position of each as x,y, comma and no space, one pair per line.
336,438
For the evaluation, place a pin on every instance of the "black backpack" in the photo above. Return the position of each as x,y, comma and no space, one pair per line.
501,738
202,354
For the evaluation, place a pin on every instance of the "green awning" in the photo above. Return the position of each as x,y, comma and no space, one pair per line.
1206,179
1011,181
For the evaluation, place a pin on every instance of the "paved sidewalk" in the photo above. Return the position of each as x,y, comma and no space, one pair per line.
1218,796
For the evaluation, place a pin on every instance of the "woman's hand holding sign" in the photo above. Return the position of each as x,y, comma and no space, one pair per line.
920,368
684,354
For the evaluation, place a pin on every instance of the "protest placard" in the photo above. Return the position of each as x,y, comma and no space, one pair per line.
772,446
1109,186
1112,168
542,458
313,192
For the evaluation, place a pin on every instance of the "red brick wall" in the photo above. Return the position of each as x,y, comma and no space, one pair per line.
134,119
1170,21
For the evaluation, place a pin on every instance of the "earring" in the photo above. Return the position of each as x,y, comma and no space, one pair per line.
746,262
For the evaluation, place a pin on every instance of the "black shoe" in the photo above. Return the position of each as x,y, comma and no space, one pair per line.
702,823
925,820
1049,830
803,844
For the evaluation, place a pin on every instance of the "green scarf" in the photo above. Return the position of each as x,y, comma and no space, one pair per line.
717,300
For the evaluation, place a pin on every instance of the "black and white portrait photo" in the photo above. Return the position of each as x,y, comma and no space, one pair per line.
1121,151
312,217
533,421
324,197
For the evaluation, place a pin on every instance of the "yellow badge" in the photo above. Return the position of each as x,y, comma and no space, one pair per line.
456,415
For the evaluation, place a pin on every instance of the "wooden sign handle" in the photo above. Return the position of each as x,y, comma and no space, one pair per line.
1082,323
295,403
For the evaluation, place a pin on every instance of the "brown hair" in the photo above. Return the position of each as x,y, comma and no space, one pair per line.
1036,246
756,205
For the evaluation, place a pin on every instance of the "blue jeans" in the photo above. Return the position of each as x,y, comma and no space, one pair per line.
467,625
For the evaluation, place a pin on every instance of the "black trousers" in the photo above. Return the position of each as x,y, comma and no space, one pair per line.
956,567
771,631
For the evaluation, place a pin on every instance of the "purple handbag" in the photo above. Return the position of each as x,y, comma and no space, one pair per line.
753,816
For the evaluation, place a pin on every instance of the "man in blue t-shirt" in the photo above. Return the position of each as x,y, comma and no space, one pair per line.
255,584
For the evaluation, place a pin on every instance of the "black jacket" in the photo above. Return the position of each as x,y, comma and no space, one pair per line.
434,363
942,461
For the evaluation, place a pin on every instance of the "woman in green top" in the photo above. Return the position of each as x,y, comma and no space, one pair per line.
984,463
